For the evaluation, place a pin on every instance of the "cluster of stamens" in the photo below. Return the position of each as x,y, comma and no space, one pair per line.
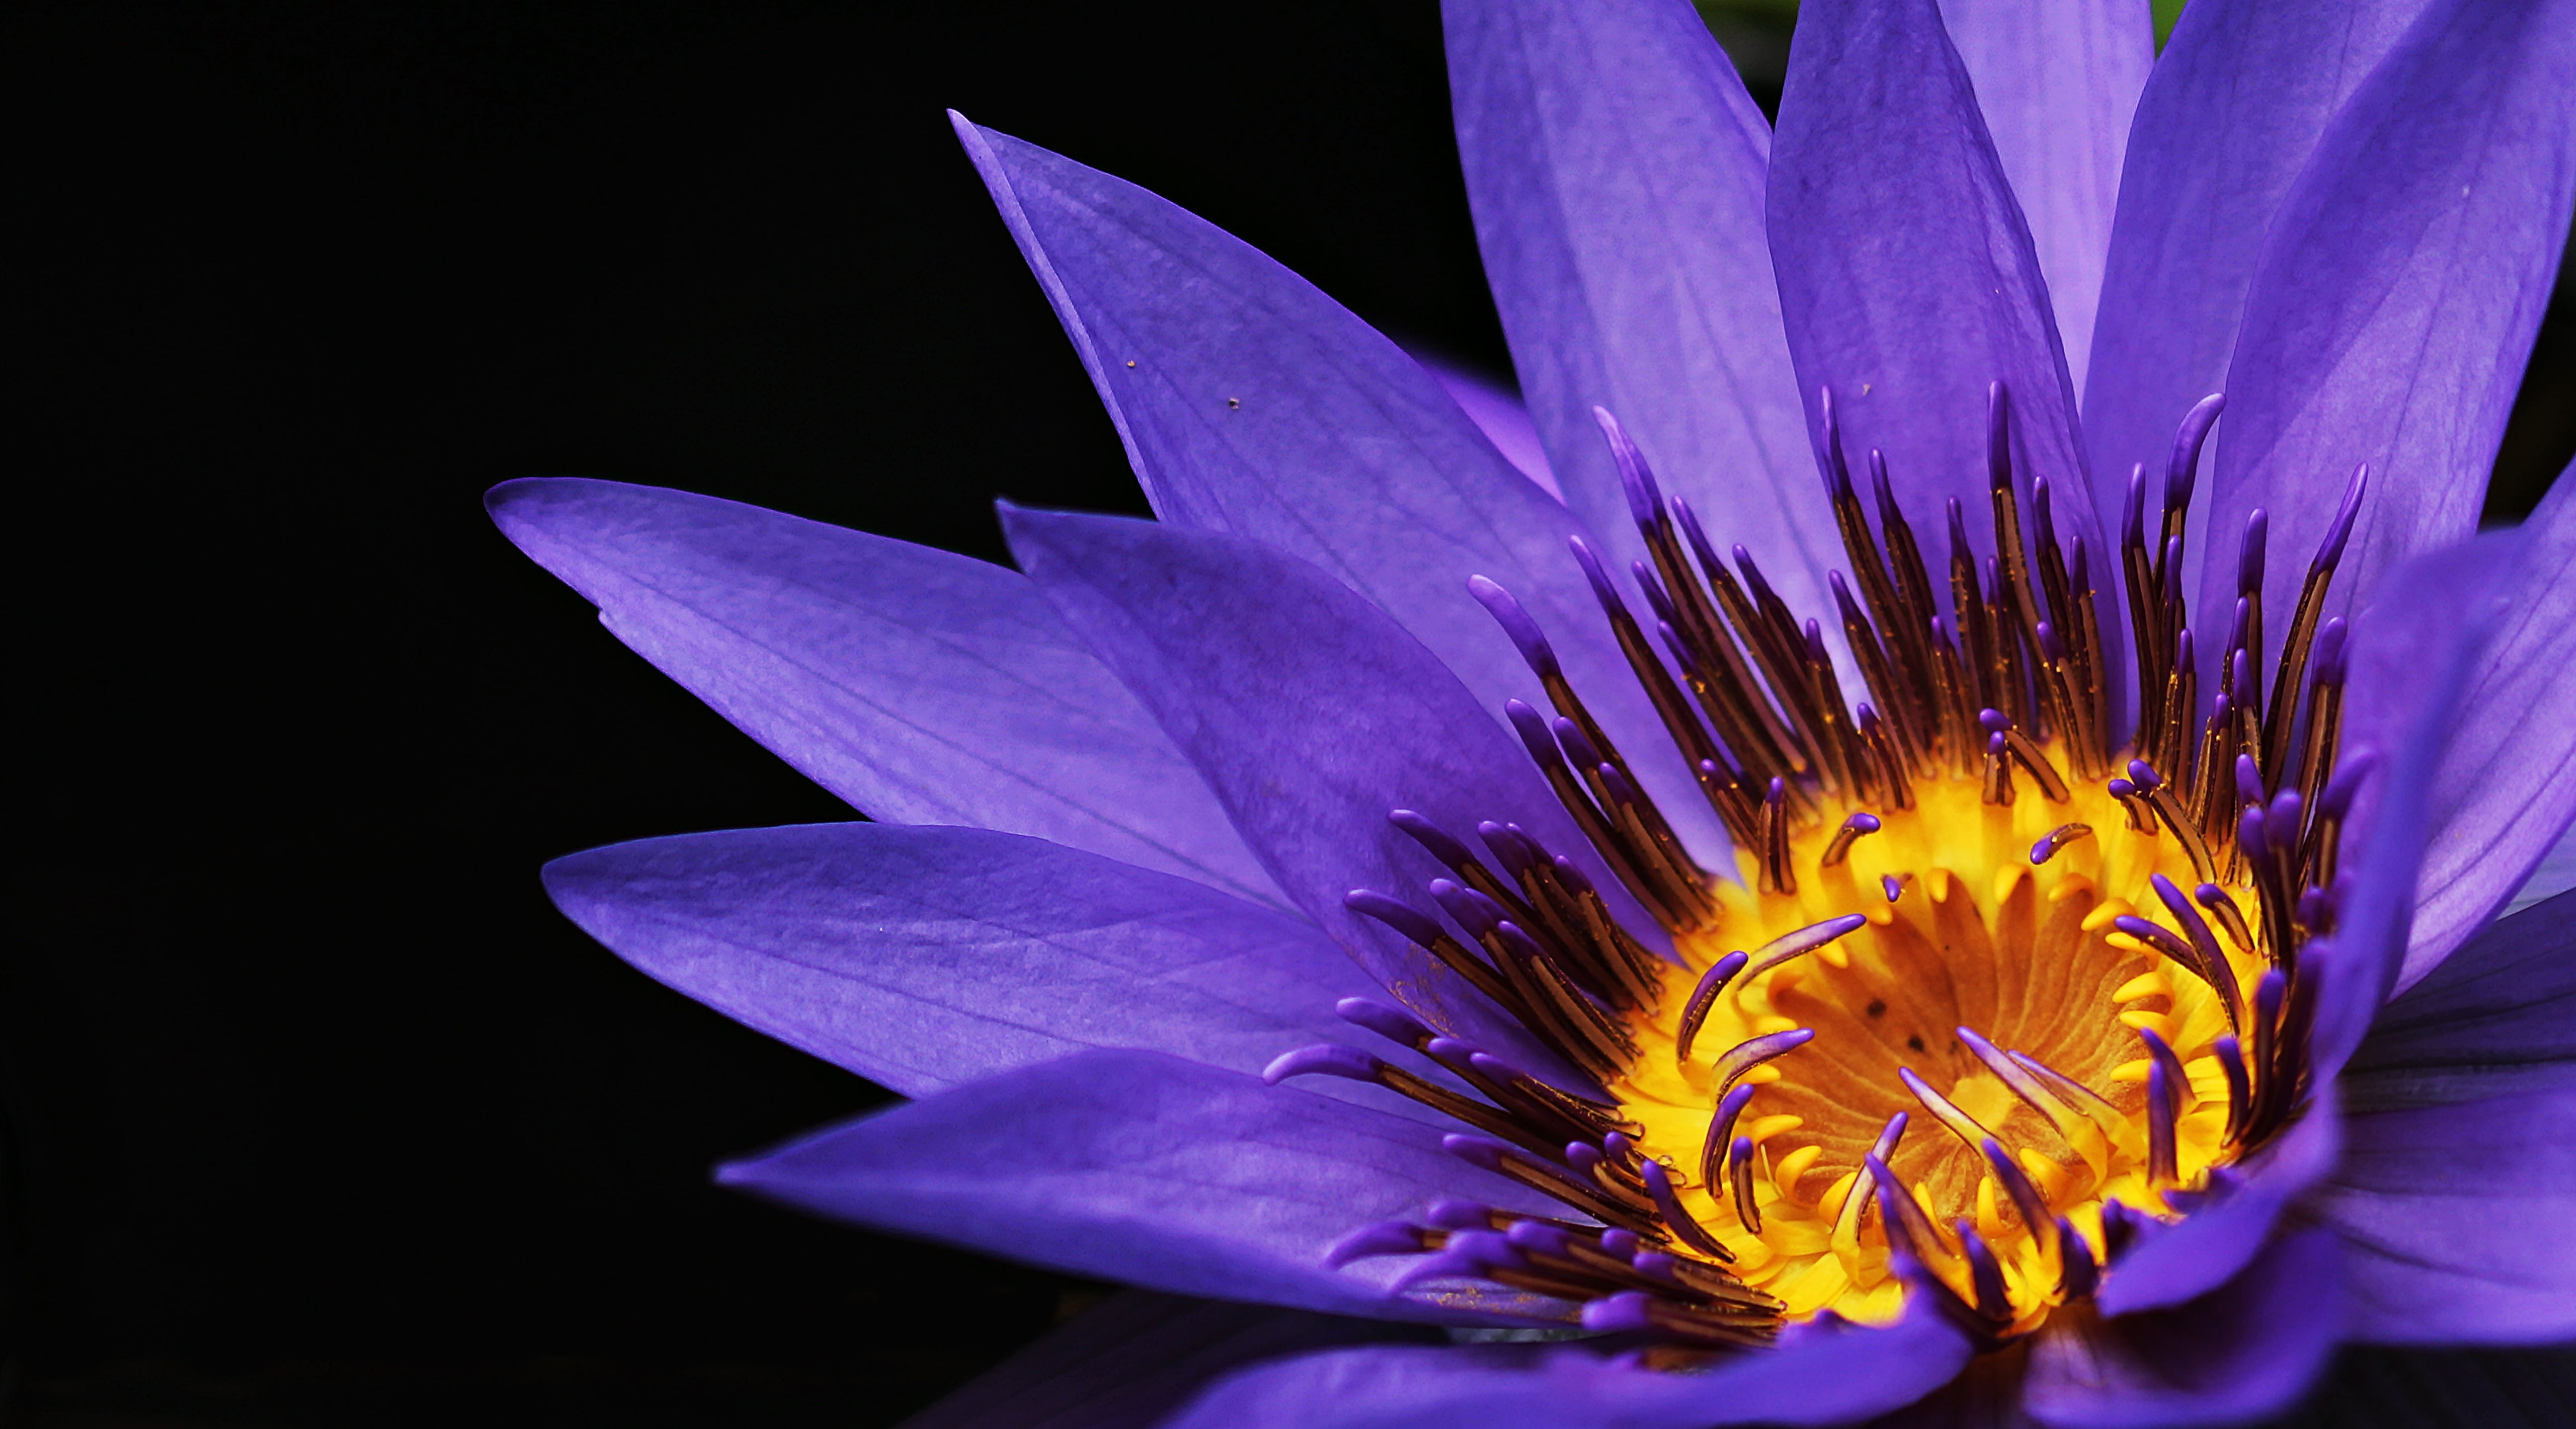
1733,1152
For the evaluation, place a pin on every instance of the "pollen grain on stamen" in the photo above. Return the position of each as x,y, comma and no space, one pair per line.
1967,891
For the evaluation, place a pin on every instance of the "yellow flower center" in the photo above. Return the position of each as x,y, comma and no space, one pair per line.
1979,943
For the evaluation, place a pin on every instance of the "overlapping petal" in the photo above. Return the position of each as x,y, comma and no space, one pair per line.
921,686
1311,714
2506,792
1149,1170
2057,81
2454,1220
2230,1229
2238,1353
2228,118
1907,276
2408,678
1129,1361
921,958
1615,167
1825,1372
2398,294
1500,415
1253,404
2459,1177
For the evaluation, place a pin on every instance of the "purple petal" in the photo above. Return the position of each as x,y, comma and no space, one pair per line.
2458,1178
921,958
1312,715
2057,82
1500,415
2507,789
2455,1218
2398,294
1143,1168
1260,407
921,686
2412,655
2208,1248
1827,1372
1129,1361
1907,277
1615,167
2229,115
2238,1353
2497,1018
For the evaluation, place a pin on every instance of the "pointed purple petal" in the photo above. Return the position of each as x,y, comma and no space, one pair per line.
923,687
920,958
2455,1217
1127,1362
1907,277
2507,789
2229,115
1615,167
2497,1018
1826,1372
2399,292
1311,714
1260,407
1142,1168
2241,1352
2057,82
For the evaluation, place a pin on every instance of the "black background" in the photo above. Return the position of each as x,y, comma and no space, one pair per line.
316,1113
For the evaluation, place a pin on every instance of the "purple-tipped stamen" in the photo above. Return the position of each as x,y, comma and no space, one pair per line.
1328,1059
1523,631
1677,1217
1703,997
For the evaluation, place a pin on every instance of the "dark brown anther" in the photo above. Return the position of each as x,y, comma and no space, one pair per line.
2304,622
1888,761
1876,671
1777,876
2034,759
1999,780
1914,594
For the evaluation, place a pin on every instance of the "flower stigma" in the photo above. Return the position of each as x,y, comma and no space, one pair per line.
1983,991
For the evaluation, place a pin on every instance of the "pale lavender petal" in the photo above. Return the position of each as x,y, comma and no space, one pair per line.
2497,1018
1130,1360
1146,1169
1615,167
2228,117
1907,277
1258,406
2057,81
2243,1351
2398,294
921,958
1500,415
2507,789
1826,1372
2414,651
2208,1248
2455,1220
1311,714
923,687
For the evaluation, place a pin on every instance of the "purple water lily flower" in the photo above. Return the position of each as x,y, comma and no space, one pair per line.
1896,888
